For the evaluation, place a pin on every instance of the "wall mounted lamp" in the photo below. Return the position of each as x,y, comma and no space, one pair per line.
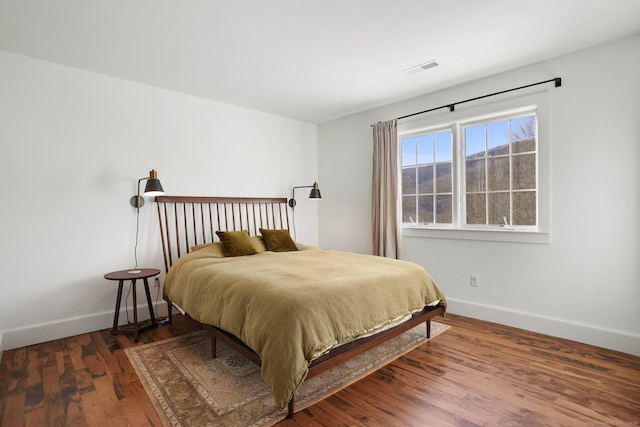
152,188
314,194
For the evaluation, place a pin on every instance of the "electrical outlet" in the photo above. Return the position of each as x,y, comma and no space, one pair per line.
474,280
156,283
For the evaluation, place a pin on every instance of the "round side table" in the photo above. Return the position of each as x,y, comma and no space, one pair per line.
133,275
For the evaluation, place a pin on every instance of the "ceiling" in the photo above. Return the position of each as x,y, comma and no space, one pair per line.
311,60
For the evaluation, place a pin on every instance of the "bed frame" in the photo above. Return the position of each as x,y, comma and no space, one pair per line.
187,221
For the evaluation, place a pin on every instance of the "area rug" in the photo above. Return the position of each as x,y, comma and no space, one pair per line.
188,388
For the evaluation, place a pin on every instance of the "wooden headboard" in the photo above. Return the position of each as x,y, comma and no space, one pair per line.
186,221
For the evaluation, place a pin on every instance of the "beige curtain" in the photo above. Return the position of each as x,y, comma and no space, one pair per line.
385,212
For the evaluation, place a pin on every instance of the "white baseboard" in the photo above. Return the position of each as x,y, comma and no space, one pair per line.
43,332
612,339
576,331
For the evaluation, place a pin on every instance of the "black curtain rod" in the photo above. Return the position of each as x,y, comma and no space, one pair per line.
451,107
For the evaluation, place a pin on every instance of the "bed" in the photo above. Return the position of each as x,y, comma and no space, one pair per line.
294,310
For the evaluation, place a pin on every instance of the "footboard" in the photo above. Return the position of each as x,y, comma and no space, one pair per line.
337,355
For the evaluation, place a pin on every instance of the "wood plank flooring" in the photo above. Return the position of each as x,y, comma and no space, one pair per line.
476,373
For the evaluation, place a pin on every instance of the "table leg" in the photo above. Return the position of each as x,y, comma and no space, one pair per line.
149,303
116,315
135,312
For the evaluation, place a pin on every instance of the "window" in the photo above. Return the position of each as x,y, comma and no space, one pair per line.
479,173
427,178
500,172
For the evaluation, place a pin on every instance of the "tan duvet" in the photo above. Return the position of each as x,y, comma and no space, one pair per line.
291,307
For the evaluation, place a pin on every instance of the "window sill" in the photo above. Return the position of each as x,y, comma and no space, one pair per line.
496,235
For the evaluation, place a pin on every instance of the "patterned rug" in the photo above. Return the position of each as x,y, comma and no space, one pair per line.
188,388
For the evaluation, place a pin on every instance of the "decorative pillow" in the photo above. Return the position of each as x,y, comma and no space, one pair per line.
278,240
200,246
258,243
236,243
213,249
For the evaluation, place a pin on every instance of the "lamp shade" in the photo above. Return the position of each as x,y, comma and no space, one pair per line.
315,192
153,186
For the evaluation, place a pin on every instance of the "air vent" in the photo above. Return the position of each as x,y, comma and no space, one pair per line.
421,67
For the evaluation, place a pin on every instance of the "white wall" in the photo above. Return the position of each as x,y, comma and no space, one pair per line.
73,145
585,284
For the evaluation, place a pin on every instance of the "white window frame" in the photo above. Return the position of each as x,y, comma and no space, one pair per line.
463,116
454,189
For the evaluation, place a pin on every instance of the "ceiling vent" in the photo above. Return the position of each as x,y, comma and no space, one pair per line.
421,67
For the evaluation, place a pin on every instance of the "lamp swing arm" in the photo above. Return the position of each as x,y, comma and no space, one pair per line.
139,202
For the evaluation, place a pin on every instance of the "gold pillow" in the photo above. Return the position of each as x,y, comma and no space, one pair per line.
236,243
258,243
213,249
278,240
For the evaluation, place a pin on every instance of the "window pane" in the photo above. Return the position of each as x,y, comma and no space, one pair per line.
498,138
443,146
476,209
524,172
443,178
425,149
524,208
409,209
444,209
425,179
475,142
523,134
498,208
498,171
475,175
408,151
425,209
409,180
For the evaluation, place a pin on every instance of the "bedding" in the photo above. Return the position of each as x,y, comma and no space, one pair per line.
292,307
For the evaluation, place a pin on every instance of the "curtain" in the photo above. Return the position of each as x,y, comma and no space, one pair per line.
385,212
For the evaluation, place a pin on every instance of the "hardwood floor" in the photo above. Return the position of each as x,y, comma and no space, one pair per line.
476,373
